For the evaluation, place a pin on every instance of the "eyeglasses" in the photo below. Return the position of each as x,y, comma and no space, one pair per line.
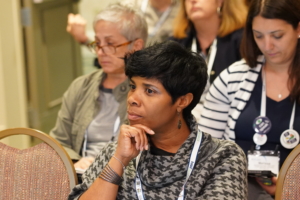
107,49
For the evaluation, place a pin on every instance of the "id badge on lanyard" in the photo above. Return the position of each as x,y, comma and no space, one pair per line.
264,160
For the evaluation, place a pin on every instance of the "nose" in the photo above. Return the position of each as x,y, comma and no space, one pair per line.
268,44
133,99
100,52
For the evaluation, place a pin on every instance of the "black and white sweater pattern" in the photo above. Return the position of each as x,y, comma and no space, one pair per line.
227,97
220,172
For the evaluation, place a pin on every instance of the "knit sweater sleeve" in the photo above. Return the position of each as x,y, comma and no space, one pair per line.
92,173
229,176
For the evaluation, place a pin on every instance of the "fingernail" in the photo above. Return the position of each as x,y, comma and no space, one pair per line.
146,147
152,132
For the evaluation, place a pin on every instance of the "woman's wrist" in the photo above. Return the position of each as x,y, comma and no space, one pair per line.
123,161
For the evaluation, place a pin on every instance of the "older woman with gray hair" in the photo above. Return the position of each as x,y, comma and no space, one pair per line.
94,106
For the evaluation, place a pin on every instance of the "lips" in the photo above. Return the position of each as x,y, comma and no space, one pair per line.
104,62
194,9
272,54
133,116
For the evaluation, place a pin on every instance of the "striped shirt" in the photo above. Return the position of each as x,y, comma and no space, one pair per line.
227,97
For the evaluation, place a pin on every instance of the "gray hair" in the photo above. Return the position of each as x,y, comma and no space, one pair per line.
129,20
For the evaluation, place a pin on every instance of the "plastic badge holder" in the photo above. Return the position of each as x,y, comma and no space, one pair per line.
265,176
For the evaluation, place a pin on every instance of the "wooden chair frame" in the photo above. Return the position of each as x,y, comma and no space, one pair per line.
283,171
51,142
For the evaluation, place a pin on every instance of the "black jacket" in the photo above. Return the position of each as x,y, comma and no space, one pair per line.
228,49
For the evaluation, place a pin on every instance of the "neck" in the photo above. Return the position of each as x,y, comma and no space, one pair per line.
160,5
207,31
172,140
113,80
277,68
277,82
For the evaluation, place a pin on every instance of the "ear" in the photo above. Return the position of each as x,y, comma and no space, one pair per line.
184,101
138,44
298,30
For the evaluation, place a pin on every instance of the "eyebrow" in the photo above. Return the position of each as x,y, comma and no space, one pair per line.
269,32
144,84
148,85
106,37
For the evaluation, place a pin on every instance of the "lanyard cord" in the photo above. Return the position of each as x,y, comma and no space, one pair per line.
210,56
191,165
116,128
161,20
263,102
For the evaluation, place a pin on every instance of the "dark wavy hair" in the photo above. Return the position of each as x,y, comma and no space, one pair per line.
287,10
179,70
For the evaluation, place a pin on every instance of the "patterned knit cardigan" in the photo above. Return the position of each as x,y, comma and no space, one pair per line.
227,97
220,172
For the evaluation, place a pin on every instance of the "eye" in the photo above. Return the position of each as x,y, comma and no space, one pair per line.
277,36
257,36
132,87
97,44
150,91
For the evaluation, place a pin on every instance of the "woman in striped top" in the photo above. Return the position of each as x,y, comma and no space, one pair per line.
271,52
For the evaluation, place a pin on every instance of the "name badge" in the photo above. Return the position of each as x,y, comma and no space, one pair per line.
264,160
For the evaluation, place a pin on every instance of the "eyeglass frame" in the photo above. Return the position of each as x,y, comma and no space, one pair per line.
90,45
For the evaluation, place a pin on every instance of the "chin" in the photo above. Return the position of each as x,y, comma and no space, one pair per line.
195,17
142,122
134,122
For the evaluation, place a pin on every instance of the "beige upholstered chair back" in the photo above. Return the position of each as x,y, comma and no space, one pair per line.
288,183
41,172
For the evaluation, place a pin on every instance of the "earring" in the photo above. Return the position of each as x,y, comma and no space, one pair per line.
219,10
179,121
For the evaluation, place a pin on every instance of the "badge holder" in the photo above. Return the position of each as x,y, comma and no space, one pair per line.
263,164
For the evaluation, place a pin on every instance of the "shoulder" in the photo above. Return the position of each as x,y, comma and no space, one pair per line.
88,78
185,41
234,72
222,149
235,35
225,149
238,68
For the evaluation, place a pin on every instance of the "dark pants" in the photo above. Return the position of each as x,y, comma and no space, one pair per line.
255,192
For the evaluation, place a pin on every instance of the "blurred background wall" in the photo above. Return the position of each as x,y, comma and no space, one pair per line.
15,60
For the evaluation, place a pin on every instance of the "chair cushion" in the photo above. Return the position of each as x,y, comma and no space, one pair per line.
291,184
33,173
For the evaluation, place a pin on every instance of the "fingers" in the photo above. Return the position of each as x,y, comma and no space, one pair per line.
75,22
138,134
76,19
142,140
84,163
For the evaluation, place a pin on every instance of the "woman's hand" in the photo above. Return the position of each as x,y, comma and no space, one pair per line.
132,140
84,163
76,27
271,189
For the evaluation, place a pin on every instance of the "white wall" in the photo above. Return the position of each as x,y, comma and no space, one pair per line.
12,76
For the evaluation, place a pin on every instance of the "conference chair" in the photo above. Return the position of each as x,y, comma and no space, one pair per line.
41,172
288,182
